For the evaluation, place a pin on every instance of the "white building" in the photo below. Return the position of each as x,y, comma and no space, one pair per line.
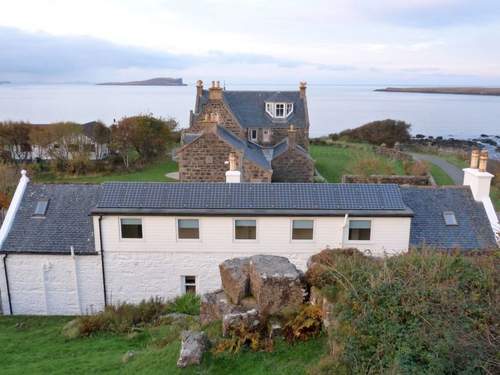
71,249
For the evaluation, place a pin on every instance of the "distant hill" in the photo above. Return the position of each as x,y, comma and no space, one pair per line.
149,82
495,91
4,82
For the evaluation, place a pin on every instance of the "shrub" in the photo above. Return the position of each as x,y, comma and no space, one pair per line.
305,325
378,132
370,166
242,337
422,312
188,303
417,168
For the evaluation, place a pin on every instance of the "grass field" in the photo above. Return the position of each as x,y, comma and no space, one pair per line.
334,161
440,176
154,172
35,345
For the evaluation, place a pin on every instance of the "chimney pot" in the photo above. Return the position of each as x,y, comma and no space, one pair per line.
215,92
199,87
233,175
483,161
292,136
474,159
302,89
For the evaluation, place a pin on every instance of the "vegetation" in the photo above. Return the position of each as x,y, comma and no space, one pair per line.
418,313
440,176
335,160
377,132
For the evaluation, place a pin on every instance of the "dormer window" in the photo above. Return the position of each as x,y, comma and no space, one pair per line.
279,110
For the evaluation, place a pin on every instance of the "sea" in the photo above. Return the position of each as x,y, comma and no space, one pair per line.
332,108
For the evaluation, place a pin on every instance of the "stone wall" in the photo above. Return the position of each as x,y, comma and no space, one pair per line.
216,111
253,173
381,179
393,153
293,166
302,136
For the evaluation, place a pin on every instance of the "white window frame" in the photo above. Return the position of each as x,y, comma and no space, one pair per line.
184,284
120,228
366,242
187,239
256,230
271,109
302,219
251,137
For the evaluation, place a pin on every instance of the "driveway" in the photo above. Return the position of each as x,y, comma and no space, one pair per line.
456,174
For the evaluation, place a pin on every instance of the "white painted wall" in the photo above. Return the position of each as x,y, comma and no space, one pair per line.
49,285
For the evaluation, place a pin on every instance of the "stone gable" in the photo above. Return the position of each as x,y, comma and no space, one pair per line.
293,166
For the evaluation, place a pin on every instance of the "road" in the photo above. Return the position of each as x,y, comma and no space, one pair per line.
456,174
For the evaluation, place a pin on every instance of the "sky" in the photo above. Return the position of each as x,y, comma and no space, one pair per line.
449,42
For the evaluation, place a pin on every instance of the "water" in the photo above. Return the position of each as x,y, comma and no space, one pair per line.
332,108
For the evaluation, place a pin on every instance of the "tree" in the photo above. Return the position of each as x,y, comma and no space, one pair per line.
102,137
8,183
15,136
145,135
378,132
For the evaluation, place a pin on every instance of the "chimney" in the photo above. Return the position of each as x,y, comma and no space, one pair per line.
479,180
199,87
474,159
292,136
233,175
302,89
215,92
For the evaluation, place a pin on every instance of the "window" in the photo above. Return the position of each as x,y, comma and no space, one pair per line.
253,134
289,108
302,229
188,284
449,218
245,229
280,110
188,229
359,230
131,228
41,208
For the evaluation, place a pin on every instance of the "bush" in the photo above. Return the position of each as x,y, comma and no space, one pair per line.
305,325
188,303
417,168
370,166
378,132
422,312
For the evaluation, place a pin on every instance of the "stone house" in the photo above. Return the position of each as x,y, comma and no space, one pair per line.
71,249
268,131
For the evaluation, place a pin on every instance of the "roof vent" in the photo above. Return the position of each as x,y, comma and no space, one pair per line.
41,208
449,218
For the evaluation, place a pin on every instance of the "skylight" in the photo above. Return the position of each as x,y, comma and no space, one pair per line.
449,218
41,208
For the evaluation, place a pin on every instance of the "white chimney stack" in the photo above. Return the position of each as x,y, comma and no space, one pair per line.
233,176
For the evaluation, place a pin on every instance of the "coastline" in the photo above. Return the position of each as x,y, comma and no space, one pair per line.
482,91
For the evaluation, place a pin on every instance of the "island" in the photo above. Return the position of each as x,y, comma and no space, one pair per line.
162,81
4,82
493,91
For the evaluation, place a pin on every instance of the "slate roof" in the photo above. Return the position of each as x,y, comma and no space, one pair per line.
249,108
66,223
428,226
253,199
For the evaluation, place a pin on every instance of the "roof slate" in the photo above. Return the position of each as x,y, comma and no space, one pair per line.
249,108
66,223
428,226
261,198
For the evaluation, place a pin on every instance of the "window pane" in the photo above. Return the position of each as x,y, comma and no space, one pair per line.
280,110
289,107
41,208
188,229
449,218
359,230
131,228
245,229
189,284
302,230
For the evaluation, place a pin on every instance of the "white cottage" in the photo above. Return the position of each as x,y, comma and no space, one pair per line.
71,249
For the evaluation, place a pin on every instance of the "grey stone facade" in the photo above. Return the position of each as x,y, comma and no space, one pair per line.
240,122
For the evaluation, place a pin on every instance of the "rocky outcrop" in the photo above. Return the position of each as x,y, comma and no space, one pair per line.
193,345
215,305
248,319
235,278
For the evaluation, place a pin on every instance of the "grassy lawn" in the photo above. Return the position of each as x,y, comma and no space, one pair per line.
154,172
35,345
440,176
334,161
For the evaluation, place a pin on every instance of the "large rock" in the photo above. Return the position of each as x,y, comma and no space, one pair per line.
193,345
275,283
235,279
248,320
214,306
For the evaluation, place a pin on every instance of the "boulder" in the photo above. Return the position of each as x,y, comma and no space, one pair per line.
249,320
193,345
275,283
214,306
128,356
235,279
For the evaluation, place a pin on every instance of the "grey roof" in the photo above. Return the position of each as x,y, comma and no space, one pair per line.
249,108
66,223
187,138
428,226
251,198
250,151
